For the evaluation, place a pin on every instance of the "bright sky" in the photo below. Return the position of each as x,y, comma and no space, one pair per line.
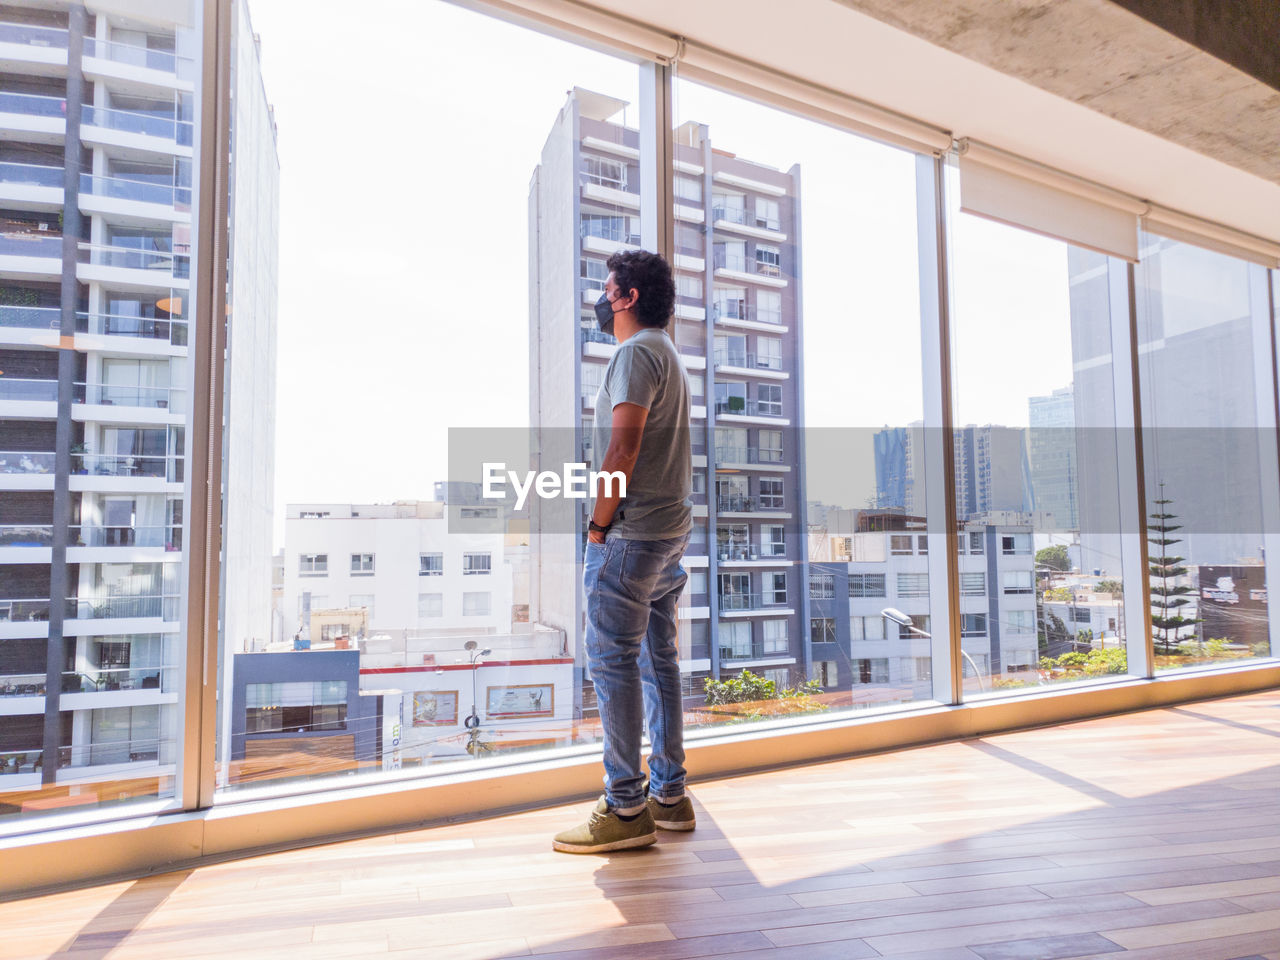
408,132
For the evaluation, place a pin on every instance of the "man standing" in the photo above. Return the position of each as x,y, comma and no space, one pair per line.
632,571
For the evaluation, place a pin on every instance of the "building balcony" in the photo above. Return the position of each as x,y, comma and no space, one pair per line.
737,220
40,41
167,469
596,335
138,199
133,264
30,318
730,407
750,365
732,267
161,331
742,457
741,504
123,608
31,186
24,610
735,313
39,118
26,470
112,679
127,61
160,131
163,536
23,685
741,601
31,256
24,390
26,535
170,399
754,652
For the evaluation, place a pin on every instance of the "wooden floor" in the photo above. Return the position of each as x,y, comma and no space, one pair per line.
1154,836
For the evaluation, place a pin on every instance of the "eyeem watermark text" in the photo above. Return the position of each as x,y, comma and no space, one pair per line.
574,482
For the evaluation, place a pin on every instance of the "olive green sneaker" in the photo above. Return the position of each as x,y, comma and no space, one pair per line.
604,831
675,816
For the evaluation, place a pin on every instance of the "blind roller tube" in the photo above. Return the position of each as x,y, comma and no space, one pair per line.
1001,187
1212,236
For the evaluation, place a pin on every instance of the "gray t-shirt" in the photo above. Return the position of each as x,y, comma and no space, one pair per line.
646,370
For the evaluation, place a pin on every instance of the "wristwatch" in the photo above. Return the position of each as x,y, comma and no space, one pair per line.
592,525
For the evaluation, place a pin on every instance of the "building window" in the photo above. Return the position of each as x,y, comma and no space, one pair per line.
775,637
698,582
872,670
358,600
770,446
331,631
825,672
866,585
769,306
975,544
688,188
922,545
595,273
1017,581
475,604
688,239
735,640
1020,621
605,173
973,625
973,584
362,563
822,630
900,546
477,563
768,260
697,385
313,564
773,540
781,677
431,564
775,588
923,667
302,706
1015,544
430,605
769,399
866,628
767,214
913,585
592,376
771,496
822,586
312,514
688,286
768,353
918,622
624,230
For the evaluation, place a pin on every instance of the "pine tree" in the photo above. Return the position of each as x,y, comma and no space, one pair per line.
1166,599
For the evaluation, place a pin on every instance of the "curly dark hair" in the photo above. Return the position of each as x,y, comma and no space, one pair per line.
650,275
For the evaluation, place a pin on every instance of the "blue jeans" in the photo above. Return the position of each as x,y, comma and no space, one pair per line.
633,587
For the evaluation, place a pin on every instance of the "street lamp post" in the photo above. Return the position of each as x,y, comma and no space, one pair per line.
900,618
472,723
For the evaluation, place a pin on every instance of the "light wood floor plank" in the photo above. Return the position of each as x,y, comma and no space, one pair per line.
1154,836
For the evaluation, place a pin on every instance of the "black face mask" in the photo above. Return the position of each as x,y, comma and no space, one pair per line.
604,314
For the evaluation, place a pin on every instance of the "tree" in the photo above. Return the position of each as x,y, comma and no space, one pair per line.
1055,558
1168,596
1110,586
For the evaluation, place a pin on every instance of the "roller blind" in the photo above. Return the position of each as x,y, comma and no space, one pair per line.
1178,226
1002,187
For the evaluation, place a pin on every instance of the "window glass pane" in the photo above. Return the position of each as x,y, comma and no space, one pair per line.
92,699
845,247
1037,484
1205,376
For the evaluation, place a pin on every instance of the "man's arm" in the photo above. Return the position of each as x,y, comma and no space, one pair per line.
624,449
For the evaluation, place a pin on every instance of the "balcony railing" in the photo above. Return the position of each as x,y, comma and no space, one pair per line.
737,551
615,233
18,388
103,679
31,175
732,261
756,651
26,535
593,335
33,105
19,611
120,751
118,608
30,318
747,455
132,121
162,60
33,36
741,601
30,245
164,398
26,461
146,328
22,685
93,535
738,406
162,262
753,361
167,195
128,465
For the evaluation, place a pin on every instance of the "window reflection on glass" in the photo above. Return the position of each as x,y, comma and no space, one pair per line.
1201,332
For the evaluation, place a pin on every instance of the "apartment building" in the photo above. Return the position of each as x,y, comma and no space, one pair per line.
97,110
737,324
885,564
398,562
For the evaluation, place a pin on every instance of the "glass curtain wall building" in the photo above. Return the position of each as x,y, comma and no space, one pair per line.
947,454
